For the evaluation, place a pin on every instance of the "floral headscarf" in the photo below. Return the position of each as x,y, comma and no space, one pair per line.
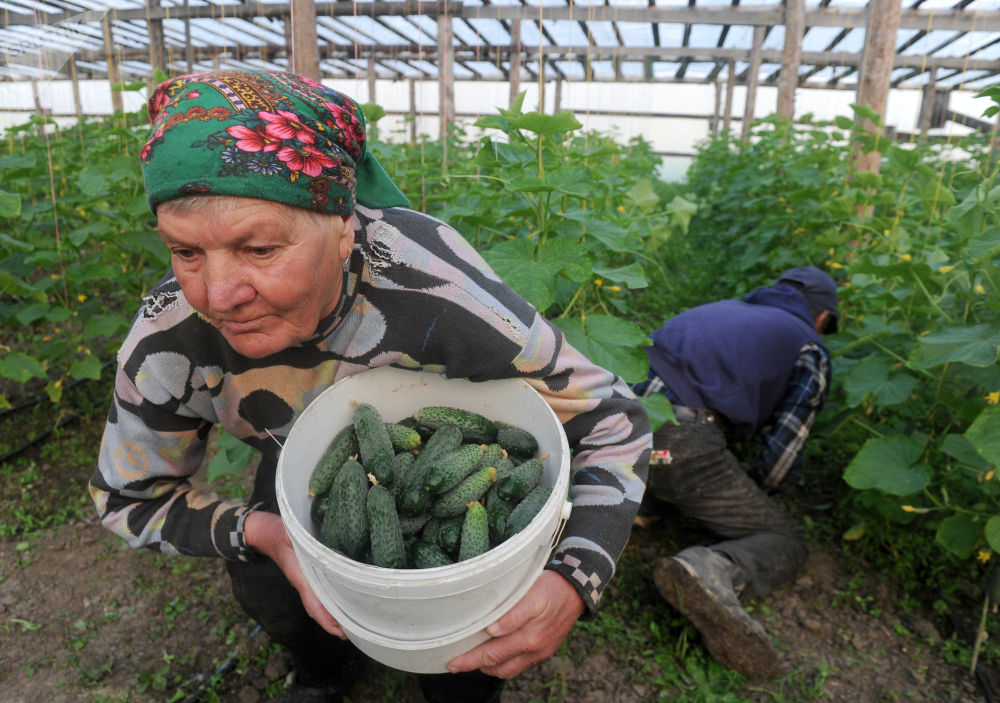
262,134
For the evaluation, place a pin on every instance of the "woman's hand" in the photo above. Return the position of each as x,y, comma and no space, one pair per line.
266,533
531,631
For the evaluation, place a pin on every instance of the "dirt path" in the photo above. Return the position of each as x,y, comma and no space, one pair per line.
86,619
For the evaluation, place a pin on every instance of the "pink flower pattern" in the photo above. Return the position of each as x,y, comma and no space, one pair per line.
253,140
309,160
286,125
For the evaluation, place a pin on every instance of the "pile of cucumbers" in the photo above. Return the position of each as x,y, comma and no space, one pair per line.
441,486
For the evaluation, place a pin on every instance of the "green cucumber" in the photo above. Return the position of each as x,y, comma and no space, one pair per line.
472,488
525,511
401,464
424,431
475,428
317,509
497,512
516,485
385,533
343,446
516,441
444,440
374,445
504,466
450,534
492,455
413,524
403,438
350,511
449,471
475,533
427,555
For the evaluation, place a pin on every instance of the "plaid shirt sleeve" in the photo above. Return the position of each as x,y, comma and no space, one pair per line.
784,439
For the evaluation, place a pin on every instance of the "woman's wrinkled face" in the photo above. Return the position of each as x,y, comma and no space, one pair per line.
263,273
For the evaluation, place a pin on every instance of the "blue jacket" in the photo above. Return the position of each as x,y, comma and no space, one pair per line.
735,356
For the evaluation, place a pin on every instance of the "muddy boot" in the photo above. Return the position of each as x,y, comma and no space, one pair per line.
699,583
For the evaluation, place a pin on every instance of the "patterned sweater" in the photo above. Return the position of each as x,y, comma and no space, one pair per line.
416,295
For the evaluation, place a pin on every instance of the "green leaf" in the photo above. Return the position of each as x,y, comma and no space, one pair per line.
32,313
611,342
962,450
103,325
888,465
514,261
875,376
547,125
16,243
92,181
682,210
659,409
984,434
233,456
958,534
642,195
992,531
87,367
10,204
984,246
21,368
566,257
975,345
844,122
373,112
633,276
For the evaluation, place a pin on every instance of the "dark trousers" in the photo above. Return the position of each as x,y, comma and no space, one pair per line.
321,659
705,481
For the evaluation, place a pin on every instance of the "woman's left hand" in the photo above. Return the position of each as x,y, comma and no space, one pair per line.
531,631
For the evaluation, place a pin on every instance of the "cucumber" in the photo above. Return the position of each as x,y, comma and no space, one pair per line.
343,446
374,444
492,454
350,511
497,512
427,555
424,431
475,533
525,477
386,535
516,441
414,501
454,501
401,464
431,530
413,524
475,428
317,509
449,471
444,440
450,535
403,438
504,466
525,511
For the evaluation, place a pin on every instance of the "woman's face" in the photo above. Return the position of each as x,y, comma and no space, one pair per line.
263,273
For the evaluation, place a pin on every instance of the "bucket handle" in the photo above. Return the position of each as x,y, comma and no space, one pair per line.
567,508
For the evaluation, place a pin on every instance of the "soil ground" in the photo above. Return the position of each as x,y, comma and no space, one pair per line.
84,618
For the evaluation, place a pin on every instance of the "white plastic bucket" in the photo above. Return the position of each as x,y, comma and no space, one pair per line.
417,619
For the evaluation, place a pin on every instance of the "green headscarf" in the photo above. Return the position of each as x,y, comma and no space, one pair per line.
262,134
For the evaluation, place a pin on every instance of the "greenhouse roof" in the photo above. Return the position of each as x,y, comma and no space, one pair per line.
950,43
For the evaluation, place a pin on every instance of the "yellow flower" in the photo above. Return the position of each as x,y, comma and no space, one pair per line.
980,289
946,269
886,232
598,282
835,265
983,556
621,208
54,276
989,475
82,298
906,257
993,398
614,288
831,251
907,508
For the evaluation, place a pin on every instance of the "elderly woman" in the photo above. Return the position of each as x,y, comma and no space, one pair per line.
295,263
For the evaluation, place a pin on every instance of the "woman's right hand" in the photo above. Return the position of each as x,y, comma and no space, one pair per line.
265,532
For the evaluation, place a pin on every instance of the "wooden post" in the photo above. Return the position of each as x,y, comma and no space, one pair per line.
117,102
515,59
730,84
305,54
558,97
77,103
371,78
413,111
752,80
927,102
157,53
446,70
717,108
791,56
876,69
188,47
